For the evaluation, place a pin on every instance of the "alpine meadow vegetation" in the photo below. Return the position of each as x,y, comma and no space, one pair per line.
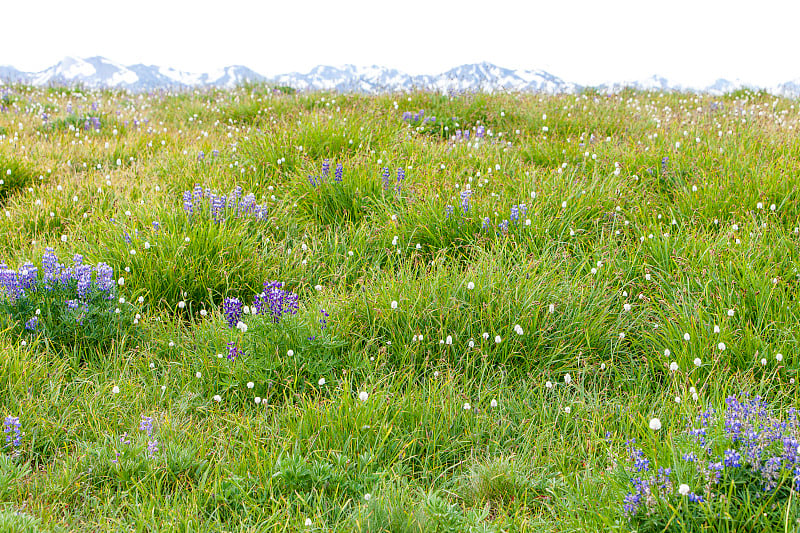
259,310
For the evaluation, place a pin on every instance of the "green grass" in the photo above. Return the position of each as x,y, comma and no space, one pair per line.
646,216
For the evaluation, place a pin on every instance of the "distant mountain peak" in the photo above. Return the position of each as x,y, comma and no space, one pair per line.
101,72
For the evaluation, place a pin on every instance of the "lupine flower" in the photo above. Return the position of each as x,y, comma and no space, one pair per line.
465,195
32,324
401,175
233,351
337,177
146,425
11,428
326,169
232,307
386,178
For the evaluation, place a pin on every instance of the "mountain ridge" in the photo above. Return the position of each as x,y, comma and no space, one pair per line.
99,72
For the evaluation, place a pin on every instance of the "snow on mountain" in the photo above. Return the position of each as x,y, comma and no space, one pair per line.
96,72
789,89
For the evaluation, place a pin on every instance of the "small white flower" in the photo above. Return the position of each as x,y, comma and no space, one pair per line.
363,395
198,375
318,287
730,312
568,409
467,406
716,328
448,340
686,337
250,384
471,343
203,312
655,424
779,357
673,366
697,361
667,352
257,399
763,362
485,335
470,285
647,277
551,308
367,496
683,489
602,366
694,396
115,390
152,365
121,282
626,307
309,522
290,353
146,245
181,304
394,304
518,329
321,382
567,379
677,399
63,238
241,326
721,347
217,398
493,403
171,344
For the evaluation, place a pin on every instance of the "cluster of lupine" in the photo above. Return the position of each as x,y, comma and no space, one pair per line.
19,284
13,434
316,181
92,123
516,212
744,442
221,207
275,301
386,176
408,116
201,156
463,135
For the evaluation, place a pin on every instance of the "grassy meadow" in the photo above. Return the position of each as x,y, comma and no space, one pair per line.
509,312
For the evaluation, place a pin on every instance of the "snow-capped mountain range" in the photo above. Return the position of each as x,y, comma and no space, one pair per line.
99,72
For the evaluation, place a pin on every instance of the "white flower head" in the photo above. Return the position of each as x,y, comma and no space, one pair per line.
655,424
363,395
683,489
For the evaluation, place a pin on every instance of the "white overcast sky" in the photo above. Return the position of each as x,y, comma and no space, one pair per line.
588,42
